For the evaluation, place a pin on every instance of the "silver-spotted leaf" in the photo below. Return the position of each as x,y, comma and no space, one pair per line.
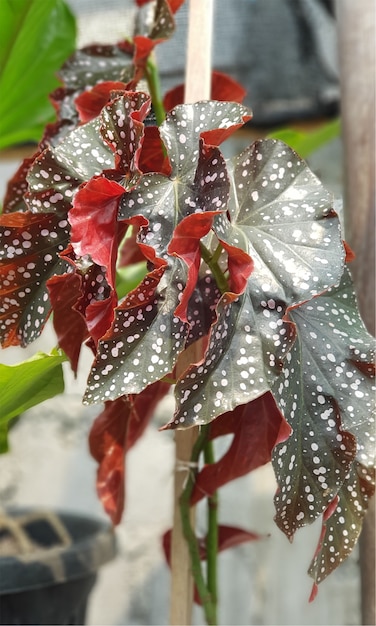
342,522
327,398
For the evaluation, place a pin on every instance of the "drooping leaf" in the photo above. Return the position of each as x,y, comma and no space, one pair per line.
95,229
272,191
114,431
107,442
97,301
87,69
257,426
70,328
228,537
325,393
36,37
342,523
28,383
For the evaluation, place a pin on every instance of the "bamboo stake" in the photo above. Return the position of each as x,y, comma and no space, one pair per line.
357,34
197,87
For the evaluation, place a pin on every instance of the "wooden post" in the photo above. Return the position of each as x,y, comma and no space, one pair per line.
197,87
357,36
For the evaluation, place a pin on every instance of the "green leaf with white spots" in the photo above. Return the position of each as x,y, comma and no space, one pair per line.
283,217
144,341
326,394
57,172
233,370
30,255
342,526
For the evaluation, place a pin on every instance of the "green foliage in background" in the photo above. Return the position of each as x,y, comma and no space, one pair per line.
306,143
26,384
36,37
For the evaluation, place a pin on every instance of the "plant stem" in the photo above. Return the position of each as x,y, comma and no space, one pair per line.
152,77
212,262
208,603
212,531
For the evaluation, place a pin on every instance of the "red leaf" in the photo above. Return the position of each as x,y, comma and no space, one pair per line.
228,537
173,4
152,156
143,47
223,88
240,267
186,244
99,316
114,432
143,408
350,254
69,325
90,103
257,426
95,229
107,442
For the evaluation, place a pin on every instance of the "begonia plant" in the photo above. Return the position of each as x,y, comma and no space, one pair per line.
241,299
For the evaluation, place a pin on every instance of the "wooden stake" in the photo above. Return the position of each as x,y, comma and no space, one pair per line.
197,87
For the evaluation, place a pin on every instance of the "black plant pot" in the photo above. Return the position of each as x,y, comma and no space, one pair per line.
52,585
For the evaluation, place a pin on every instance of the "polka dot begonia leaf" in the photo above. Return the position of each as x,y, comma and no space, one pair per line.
342,523
29,256
144,341
283,217
326,392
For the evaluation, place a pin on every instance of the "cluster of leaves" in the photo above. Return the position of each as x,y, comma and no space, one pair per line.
245,301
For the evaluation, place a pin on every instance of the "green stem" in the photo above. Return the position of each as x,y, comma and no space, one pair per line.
212,531
208,605
152,77
212,262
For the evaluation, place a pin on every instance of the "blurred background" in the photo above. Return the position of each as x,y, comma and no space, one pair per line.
284,52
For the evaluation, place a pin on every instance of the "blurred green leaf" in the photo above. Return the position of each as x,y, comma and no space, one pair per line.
29,383
306,143
4,447
128,278
36,36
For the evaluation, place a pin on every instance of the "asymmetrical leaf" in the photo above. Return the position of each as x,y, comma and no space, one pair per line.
114,431
326,396
342,523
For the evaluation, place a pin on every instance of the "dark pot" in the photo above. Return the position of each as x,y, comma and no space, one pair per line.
52,586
